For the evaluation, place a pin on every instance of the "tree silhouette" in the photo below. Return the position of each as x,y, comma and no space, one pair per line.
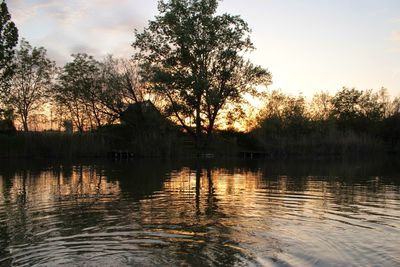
194,58
77,88
121,86
8,42
94,93
33,76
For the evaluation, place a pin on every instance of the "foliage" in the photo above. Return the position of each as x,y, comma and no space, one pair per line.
7,127
359,110
8,42
53,145
95,93
350,122
121,86
320,107
194,59
190,66
143,116
283,115
77,88
30,86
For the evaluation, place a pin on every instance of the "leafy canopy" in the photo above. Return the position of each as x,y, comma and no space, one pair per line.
77,90
8,42
31,82
93,93
196,60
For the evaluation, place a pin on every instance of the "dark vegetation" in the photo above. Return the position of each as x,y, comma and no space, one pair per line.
186,82
295,131
352,122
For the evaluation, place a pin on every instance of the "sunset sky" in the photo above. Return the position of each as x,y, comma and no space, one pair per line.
308,45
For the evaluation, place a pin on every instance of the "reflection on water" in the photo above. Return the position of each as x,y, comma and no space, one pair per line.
242,213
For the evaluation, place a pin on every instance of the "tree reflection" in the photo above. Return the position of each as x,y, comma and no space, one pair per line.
181,213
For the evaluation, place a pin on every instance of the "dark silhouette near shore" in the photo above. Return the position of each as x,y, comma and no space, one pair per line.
181,95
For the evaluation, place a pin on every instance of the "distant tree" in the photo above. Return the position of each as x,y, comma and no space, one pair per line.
283,115
77,90
8,43
347,109
360,110
68,126
321,106
383,98
95,93
346,104
121,86
118,87
32,80
390,129
7,127
373,105
194,59
394,107
273,105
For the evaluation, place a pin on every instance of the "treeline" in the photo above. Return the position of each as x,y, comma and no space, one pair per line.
168,100
83,95
86,95
350,122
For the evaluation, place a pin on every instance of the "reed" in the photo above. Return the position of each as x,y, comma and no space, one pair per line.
87,145
312,144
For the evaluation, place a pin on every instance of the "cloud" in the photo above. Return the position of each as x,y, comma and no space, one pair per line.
394,42
97,27
395,20
25,10
395,36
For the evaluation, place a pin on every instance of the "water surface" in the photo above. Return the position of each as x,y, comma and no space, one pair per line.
152,213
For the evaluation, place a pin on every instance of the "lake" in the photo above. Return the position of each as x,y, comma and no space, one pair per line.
187,213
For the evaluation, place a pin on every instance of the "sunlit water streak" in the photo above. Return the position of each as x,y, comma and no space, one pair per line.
154,214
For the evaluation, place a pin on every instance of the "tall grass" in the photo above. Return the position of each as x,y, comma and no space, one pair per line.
53,145
88,145
333,143
97,145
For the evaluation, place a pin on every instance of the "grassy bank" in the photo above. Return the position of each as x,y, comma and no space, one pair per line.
224,144
83,145
330,144
52,145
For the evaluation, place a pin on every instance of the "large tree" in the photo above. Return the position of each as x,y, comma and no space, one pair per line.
31,82
195,59
8,42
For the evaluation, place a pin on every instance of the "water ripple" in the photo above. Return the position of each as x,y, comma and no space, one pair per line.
210,217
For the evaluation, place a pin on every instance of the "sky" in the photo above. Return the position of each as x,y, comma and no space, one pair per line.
308,45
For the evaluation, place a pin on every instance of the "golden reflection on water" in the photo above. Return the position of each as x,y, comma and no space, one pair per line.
197,191
201,214
49,186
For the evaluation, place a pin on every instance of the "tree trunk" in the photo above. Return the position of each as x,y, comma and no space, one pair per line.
24,118
198,186
198,130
